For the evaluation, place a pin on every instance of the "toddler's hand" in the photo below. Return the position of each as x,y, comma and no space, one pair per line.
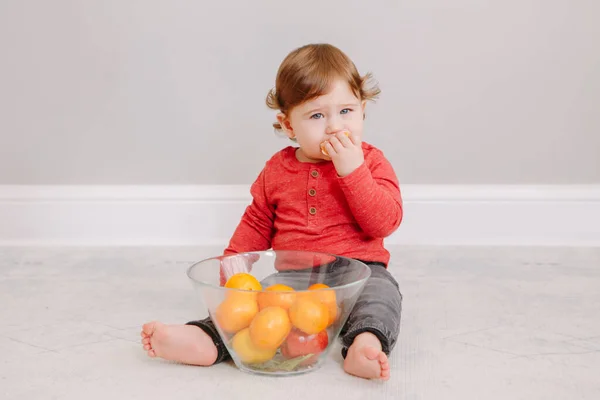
236,264
345,152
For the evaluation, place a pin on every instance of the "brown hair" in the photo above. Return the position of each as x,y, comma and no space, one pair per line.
308,72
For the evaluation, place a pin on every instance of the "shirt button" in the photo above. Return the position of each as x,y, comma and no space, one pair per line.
314,173
312,192
312,211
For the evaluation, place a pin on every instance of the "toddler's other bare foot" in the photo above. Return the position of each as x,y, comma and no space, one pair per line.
365,358
186,344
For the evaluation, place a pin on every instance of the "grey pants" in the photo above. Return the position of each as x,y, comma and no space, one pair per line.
377,310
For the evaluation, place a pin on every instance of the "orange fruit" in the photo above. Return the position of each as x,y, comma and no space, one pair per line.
322,145
270,327
277,297
326,296
309,315
236,312
333,312
243,281
246,350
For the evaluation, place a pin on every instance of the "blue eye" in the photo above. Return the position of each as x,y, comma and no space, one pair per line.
345,111
315,116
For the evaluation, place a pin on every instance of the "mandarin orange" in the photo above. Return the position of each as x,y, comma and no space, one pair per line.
248,353
270,327
236,311
243,281
326,296
309,315
276,296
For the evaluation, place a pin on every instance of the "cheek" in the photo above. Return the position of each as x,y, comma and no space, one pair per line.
310,131
354,119
356,127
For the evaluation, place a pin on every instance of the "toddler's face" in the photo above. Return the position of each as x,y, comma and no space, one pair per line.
316,120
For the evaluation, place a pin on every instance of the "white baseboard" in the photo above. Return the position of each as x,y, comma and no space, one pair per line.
566,215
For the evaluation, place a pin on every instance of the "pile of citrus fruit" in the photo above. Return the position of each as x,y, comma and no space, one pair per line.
277,318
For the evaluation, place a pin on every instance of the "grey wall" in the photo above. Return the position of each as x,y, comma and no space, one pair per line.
172,92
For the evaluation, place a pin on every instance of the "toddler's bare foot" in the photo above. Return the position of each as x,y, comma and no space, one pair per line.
365,358
186,344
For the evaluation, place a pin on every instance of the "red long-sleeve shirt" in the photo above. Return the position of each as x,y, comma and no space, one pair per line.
304,206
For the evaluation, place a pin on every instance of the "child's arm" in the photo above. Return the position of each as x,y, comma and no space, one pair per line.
373,194
255,229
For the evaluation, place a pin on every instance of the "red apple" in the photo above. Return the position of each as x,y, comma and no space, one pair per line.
299,344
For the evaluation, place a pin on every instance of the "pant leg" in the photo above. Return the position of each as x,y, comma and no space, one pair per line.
208,326
377,310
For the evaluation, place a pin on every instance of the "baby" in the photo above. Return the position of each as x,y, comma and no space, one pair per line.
330,193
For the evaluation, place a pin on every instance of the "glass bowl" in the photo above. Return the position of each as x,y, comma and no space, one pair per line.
279,312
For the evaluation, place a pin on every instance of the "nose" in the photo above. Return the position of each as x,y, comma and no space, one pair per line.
334,125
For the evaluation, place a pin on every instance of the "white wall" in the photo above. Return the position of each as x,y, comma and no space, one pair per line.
172,92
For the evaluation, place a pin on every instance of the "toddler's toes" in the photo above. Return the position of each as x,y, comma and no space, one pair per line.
385,375
149,328
385,366
382,357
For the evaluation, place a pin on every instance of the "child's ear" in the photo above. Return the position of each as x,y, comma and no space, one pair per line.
363,105
285,125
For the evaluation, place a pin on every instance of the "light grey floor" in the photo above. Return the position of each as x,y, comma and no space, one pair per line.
478,323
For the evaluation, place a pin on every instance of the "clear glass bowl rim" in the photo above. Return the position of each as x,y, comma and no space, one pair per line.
260,252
